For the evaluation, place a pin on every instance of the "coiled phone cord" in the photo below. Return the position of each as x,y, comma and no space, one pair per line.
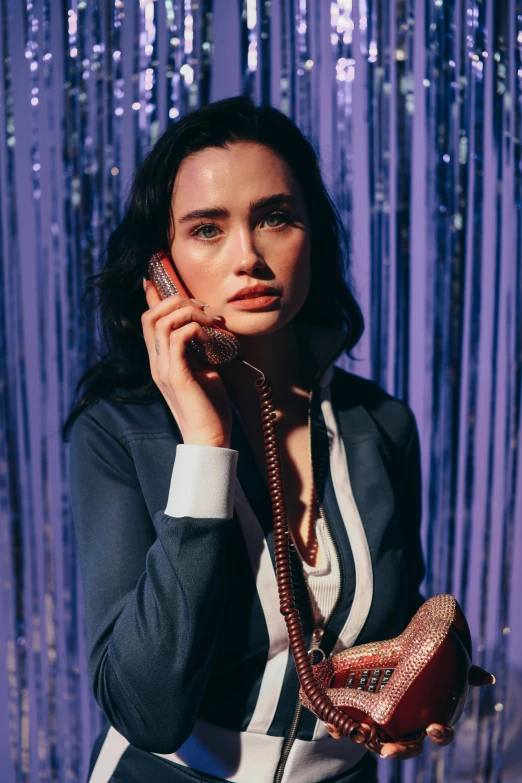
323,706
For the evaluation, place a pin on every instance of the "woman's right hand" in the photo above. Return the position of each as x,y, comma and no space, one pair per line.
197,397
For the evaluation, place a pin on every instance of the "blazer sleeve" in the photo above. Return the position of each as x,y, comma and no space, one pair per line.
154,590
411,520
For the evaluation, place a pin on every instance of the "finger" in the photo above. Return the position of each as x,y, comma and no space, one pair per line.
159,308
441,735
151,294
395,750
158,335
173,322
147,321
179,352
335,733
479,676
390,750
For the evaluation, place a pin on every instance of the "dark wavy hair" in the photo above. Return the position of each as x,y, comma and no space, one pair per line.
146,227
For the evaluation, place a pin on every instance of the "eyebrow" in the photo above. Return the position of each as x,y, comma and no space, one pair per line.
255,206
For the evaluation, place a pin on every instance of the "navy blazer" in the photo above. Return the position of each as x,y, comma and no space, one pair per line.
187,650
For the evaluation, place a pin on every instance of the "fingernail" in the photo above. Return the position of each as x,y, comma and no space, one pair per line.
493,679
217,317
435,733
199,302
388,754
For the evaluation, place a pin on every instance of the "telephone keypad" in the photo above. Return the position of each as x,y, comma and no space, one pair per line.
369,680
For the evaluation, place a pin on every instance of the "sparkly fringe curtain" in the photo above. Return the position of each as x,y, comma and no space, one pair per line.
415,107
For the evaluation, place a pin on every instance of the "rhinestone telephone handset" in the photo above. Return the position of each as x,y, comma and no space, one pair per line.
397,687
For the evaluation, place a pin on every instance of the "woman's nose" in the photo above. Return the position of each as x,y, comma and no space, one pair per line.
246,251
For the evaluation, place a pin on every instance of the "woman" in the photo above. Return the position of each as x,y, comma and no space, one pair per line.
188,652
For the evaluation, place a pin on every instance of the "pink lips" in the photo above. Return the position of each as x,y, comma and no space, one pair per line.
253,291
256,303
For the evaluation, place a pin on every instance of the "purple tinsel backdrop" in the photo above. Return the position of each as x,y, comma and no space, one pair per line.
415,107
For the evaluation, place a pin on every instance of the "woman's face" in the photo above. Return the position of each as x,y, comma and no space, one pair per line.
241,244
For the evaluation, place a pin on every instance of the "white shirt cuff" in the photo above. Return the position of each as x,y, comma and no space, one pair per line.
203,482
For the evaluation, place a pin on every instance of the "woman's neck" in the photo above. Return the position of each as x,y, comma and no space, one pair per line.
281,356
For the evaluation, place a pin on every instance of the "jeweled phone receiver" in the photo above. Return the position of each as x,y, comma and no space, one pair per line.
224,345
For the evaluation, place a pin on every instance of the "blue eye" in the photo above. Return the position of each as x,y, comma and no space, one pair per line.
198,231
203,226
284,215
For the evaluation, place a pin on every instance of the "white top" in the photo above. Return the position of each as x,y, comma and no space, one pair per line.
323,581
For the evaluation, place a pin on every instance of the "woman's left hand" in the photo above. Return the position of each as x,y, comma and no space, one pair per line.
441,735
